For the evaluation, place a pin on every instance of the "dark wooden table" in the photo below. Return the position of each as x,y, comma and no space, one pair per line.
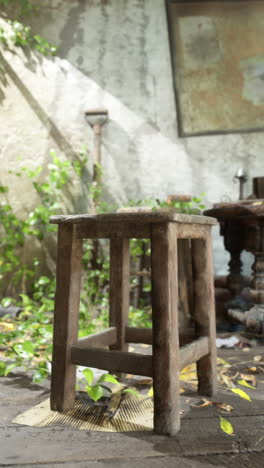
242,226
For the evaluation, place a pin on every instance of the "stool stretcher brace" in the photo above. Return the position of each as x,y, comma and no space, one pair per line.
168,357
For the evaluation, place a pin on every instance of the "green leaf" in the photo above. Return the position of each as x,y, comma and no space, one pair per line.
132,391
43,280
89,376
226,426
245,383
9,368
28,347
95,392
39,375
241,393
2,368
6,302
108,378
19,350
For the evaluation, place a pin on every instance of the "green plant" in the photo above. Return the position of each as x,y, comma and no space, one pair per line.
26,286
15,32
96,391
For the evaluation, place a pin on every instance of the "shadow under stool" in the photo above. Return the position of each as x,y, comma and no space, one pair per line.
168,357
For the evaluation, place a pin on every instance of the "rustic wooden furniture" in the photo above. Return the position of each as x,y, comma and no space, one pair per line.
242,226
167,360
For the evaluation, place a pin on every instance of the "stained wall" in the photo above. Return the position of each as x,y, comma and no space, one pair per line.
113,54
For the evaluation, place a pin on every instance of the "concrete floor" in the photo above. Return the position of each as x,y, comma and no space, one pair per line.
199,444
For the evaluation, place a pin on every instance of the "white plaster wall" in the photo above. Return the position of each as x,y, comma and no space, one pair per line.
113,54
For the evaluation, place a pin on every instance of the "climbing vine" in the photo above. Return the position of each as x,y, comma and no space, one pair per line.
15,31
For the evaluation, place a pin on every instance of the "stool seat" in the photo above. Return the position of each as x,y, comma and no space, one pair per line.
168,358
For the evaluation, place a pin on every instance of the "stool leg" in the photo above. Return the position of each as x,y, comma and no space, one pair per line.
204,312
165,328
119,290
65,318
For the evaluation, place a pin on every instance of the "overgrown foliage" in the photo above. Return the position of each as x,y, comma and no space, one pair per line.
15,31
27,340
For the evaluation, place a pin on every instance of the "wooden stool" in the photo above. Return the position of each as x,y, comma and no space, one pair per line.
168,358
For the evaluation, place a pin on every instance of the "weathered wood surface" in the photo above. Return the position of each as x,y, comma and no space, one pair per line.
138,335
115,229
144,335
119,290
194,351
65,318
153,217
185,284
165,328
133,363
204,312
103,338
113,361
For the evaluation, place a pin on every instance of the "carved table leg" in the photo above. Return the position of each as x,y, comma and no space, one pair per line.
234,233
255,316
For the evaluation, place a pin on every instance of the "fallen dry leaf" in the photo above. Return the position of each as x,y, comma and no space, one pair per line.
258,358
6,326
245,384
205,403
226,426
241,393
143,381
189,373
222,362
227,380
251,369
223,407
249,378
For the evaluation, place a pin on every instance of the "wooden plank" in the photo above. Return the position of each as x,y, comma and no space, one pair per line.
194,351
119,290
204,312
115,229
103,338
65,318
165,329
113,361
144,335
191,231
184,284
138,335
153,217
188,354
